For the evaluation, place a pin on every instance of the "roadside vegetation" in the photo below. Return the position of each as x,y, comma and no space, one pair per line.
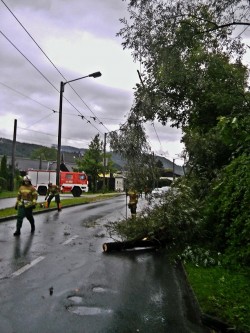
194,78
11,212
222,293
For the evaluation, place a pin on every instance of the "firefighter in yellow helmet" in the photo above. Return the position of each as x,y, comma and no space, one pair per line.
26,202
53,191
133,200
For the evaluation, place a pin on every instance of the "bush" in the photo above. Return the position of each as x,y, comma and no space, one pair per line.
176,220
3,184
227,213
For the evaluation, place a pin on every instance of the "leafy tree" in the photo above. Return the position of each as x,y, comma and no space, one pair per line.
92,161
189,78
132,145
193,77
46,153
175,43
192,71
4,168
5,174
227,214
234,131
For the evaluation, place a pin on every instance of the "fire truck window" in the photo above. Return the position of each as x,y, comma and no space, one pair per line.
69,176
82,177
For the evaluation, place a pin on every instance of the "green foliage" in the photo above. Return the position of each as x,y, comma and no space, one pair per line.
176,220
92,161
193,77
188,76
4,174
238,128
45,153
222,293
4,168
8,194
199,256
208,154
227,213
3,183
131,143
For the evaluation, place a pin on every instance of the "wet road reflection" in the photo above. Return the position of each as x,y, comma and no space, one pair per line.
93,292
18,250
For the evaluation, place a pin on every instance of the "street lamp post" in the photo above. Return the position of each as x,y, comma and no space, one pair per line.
104,162
94,75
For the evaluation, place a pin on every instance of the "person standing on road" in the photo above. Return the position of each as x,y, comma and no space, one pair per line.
53,191
133,200
26,202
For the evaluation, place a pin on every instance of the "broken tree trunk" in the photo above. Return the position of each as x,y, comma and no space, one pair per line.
138,243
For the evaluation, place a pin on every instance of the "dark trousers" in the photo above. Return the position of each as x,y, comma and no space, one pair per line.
133,207
21,214
57,199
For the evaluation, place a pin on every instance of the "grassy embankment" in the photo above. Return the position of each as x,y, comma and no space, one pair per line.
5,212
222,293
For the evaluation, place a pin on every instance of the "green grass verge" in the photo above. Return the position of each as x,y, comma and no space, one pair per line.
222,293
8,194
6,212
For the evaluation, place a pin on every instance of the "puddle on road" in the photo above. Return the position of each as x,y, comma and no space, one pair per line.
88,311
75,299
99,290
81,310
103,290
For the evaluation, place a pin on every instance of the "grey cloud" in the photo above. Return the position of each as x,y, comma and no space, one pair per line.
34,112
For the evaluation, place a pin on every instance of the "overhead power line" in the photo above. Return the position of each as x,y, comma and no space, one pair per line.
18,92
28,60
46,78
157,135
53,66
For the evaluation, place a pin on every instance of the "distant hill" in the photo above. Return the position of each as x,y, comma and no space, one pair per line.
24,149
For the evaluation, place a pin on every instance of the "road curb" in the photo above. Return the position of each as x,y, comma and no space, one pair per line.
11,217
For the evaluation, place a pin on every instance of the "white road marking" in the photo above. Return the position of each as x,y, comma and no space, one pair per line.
28,266
37,260
70,239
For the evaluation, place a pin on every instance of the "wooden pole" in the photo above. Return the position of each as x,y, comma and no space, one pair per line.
13,157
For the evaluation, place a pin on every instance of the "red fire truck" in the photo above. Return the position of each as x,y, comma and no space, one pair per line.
74,182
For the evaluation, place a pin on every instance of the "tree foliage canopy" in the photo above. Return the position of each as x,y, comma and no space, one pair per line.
193,77
46,153
92,161
185,58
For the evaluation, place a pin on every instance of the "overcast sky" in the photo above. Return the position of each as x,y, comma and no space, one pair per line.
79,38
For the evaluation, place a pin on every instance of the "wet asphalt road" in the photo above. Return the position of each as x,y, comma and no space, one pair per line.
59,279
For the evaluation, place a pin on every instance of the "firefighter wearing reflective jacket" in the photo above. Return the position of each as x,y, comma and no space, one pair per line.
26,202
53,191
133,200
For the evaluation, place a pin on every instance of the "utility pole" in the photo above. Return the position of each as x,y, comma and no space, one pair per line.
104,162
59,135
13,157
153,168
173,169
